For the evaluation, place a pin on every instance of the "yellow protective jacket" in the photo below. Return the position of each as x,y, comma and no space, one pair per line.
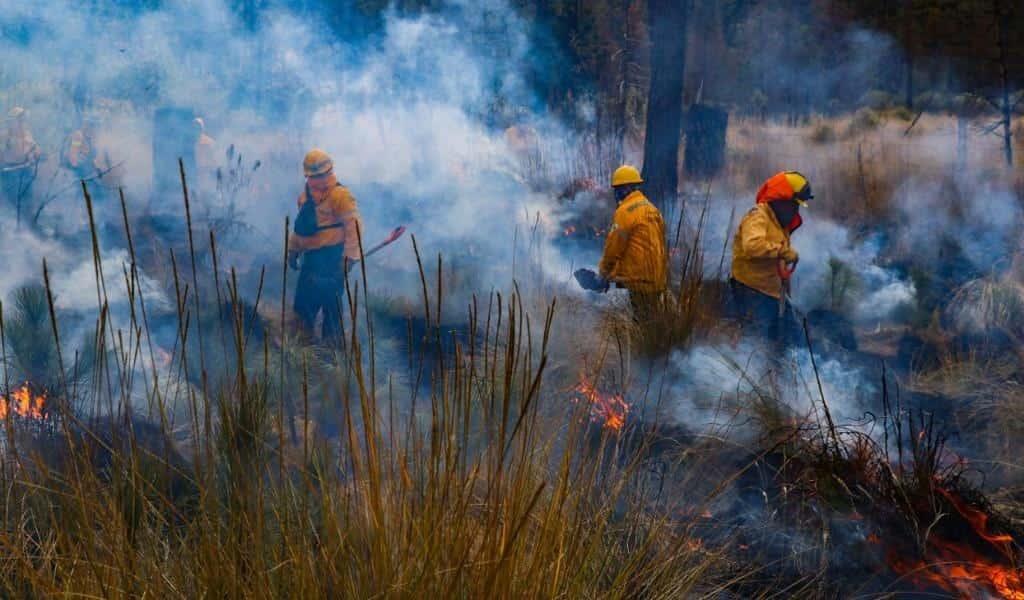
82,151
18,147
756,248
635,252
204,149
334,204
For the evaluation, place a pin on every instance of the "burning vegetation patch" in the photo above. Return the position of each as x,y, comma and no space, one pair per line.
895,510
971,562
23,403
610,410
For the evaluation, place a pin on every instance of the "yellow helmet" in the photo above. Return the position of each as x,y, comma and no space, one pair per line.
625,175
801,187
317,162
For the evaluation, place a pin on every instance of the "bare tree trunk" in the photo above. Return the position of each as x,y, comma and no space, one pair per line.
667,26
1002,20
961,142
909,62
626,65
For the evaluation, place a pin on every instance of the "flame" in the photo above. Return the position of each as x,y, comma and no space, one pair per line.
957,568
23,403
978,520
611,409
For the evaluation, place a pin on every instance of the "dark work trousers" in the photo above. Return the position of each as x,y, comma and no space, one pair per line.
17,188
759,314
321,286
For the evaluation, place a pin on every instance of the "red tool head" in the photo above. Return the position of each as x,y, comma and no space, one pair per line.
395,233
785,271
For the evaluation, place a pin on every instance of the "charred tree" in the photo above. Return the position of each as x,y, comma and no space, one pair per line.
908,74
666,22
706,127
1002,18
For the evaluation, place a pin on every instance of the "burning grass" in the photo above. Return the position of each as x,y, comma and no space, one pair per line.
23,403
890,493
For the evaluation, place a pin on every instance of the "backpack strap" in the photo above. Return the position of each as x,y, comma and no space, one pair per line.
309,198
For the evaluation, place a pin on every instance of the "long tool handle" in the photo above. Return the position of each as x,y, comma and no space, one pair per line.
785,274
394,235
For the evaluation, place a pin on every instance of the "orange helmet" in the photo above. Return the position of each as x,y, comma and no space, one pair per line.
317,163
788,185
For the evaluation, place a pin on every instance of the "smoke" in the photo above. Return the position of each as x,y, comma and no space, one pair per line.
976,211
414,111
738,387
410,113
69,283
845,271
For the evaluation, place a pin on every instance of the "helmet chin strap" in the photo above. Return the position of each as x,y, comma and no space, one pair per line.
320,183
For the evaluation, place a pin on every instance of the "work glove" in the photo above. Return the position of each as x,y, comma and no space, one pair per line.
789,255
293,260
590,280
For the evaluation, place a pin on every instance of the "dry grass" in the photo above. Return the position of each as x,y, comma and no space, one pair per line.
987,408
275,469
464,487
855,167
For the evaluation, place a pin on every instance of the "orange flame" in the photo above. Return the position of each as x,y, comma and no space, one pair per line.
978,520
23,403
959,569
611,409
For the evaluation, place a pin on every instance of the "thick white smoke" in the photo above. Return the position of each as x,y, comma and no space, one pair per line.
403,113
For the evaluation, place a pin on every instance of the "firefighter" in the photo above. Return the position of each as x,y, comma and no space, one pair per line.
19,157
206,161
82,156
635,253
326,239
763,259
204,149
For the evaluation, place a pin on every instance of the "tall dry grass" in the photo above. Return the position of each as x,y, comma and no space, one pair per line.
455,483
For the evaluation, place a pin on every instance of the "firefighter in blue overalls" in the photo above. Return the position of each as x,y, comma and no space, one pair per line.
326,239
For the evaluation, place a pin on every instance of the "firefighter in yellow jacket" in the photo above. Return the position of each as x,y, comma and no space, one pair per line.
635,254
19,158
763,258
326,239
82,156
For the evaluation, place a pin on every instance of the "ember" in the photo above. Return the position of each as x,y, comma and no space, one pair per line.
609,409
23,403
584,232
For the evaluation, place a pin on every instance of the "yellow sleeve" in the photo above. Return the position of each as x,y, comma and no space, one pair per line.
33,152
614,247
296,242
754,237
75,150
348,213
